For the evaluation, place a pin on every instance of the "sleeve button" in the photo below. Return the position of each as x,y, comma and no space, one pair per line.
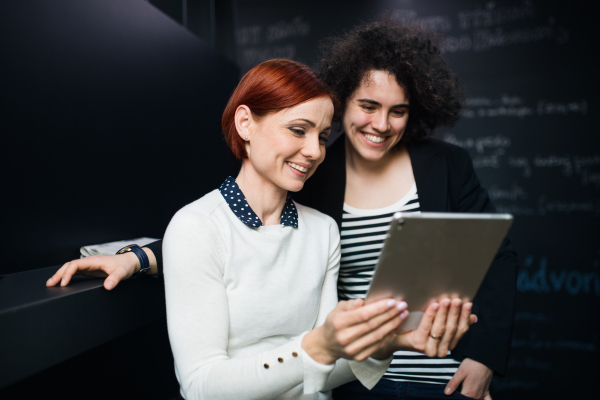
295,354
266,366
280,359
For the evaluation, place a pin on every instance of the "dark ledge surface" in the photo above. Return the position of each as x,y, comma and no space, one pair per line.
41,327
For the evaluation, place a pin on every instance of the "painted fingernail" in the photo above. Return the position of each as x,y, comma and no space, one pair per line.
447,390
404,314
435,306
391,302
402,305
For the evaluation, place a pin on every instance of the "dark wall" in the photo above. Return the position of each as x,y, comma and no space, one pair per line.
110,123
529,126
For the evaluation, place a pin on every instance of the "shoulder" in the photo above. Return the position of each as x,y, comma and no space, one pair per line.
198,214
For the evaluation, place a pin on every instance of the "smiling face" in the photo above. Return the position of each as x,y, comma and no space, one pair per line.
286,147
376,116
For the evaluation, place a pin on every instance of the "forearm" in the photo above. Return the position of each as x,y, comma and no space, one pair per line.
154,252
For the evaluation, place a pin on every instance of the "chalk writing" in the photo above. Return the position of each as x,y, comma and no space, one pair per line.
480,144
255,55
512,383
528,362
570,281
535,343
248,35
435,23
534,317
514,193
522,163
491,15
297,27
561,108
562,162
546,206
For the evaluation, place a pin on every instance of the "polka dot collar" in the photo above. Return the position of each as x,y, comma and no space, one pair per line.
237,203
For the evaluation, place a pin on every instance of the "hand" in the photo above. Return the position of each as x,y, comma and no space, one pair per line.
442,326
475,378
115,268
354,331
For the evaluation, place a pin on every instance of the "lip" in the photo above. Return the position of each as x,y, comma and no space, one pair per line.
372,144
295,171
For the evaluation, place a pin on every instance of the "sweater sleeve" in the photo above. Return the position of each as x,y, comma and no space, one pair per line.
488,341
369,371
198,322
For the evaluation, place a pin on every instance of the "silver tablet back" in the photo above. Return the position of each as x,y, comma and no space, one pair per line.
428,255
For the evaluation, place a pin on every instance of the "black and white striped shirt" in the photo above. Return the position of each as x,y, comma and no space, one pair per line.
362,237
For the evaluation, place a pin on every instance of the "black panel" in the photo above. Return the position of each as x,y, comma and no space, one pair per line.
110,123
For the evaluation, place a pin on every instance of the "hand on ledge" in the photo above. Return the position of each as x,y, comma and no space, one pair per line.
115,268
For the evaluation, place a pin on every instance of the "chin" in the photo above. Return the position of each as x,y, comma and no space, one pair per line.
295,187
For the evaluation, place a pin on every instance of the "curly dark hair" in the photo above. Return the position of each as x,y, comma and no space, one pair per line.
408,52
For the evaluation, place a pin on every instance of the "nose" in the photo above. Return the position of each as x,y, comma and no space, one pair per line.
380,122
312,148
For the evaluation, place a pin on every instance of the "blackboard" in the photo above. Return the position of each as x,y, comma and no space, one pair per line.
533,91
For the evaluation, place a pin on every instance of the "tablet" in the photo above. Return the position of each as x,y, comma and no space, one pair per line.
427,255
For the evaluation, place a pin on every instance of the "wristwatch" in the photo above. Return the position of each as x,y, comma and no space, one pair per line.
141,255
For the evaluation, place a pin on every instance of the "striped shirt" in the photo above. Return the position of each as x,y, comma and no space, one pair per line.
362,236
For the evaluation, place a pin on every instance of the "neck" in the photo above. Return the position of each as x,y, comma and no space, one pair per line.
264,197
363,167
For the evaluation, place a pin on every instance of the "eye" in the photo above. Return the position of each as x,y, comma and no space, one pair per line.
399,113
297,131
367,108
323,139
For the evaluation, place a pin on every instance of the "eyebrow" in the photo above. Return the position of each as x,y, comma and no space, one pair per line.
310,123
305,120
376,103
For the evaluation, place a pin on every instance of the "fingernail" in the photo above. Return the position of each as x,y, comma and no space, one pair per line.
435,306
63,282
404,314
391,302
446,302
401,306
109,285
476,319
49,280
469,306
447,390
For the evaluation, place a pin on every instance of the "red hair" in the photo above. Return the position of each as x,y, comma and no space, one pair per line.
270,87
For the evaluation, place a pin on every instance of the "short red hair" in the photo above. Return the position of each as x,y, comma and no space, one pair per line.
270,87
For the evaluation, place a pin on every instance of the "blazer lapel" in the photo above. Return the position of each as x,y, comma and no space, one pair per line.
431,175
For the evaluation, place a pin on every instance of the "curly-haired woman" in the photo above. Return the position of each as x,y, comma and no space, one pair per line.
396,89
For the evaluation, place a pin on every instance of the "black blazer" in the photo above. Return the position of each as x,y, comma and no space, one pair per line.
446,182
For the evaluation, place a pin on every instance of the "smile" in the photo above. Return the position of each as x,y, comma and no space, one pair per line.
298,167
373,138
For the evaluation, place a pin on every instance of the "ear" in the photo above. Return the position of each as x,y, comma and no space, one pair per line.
243,122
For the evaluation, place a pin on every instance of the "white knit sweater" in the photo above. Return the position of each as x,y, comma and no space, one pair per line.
240,299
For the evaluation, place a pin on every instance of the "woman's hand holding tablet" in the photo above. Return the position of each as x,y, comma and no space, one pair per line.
443,324
355,331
